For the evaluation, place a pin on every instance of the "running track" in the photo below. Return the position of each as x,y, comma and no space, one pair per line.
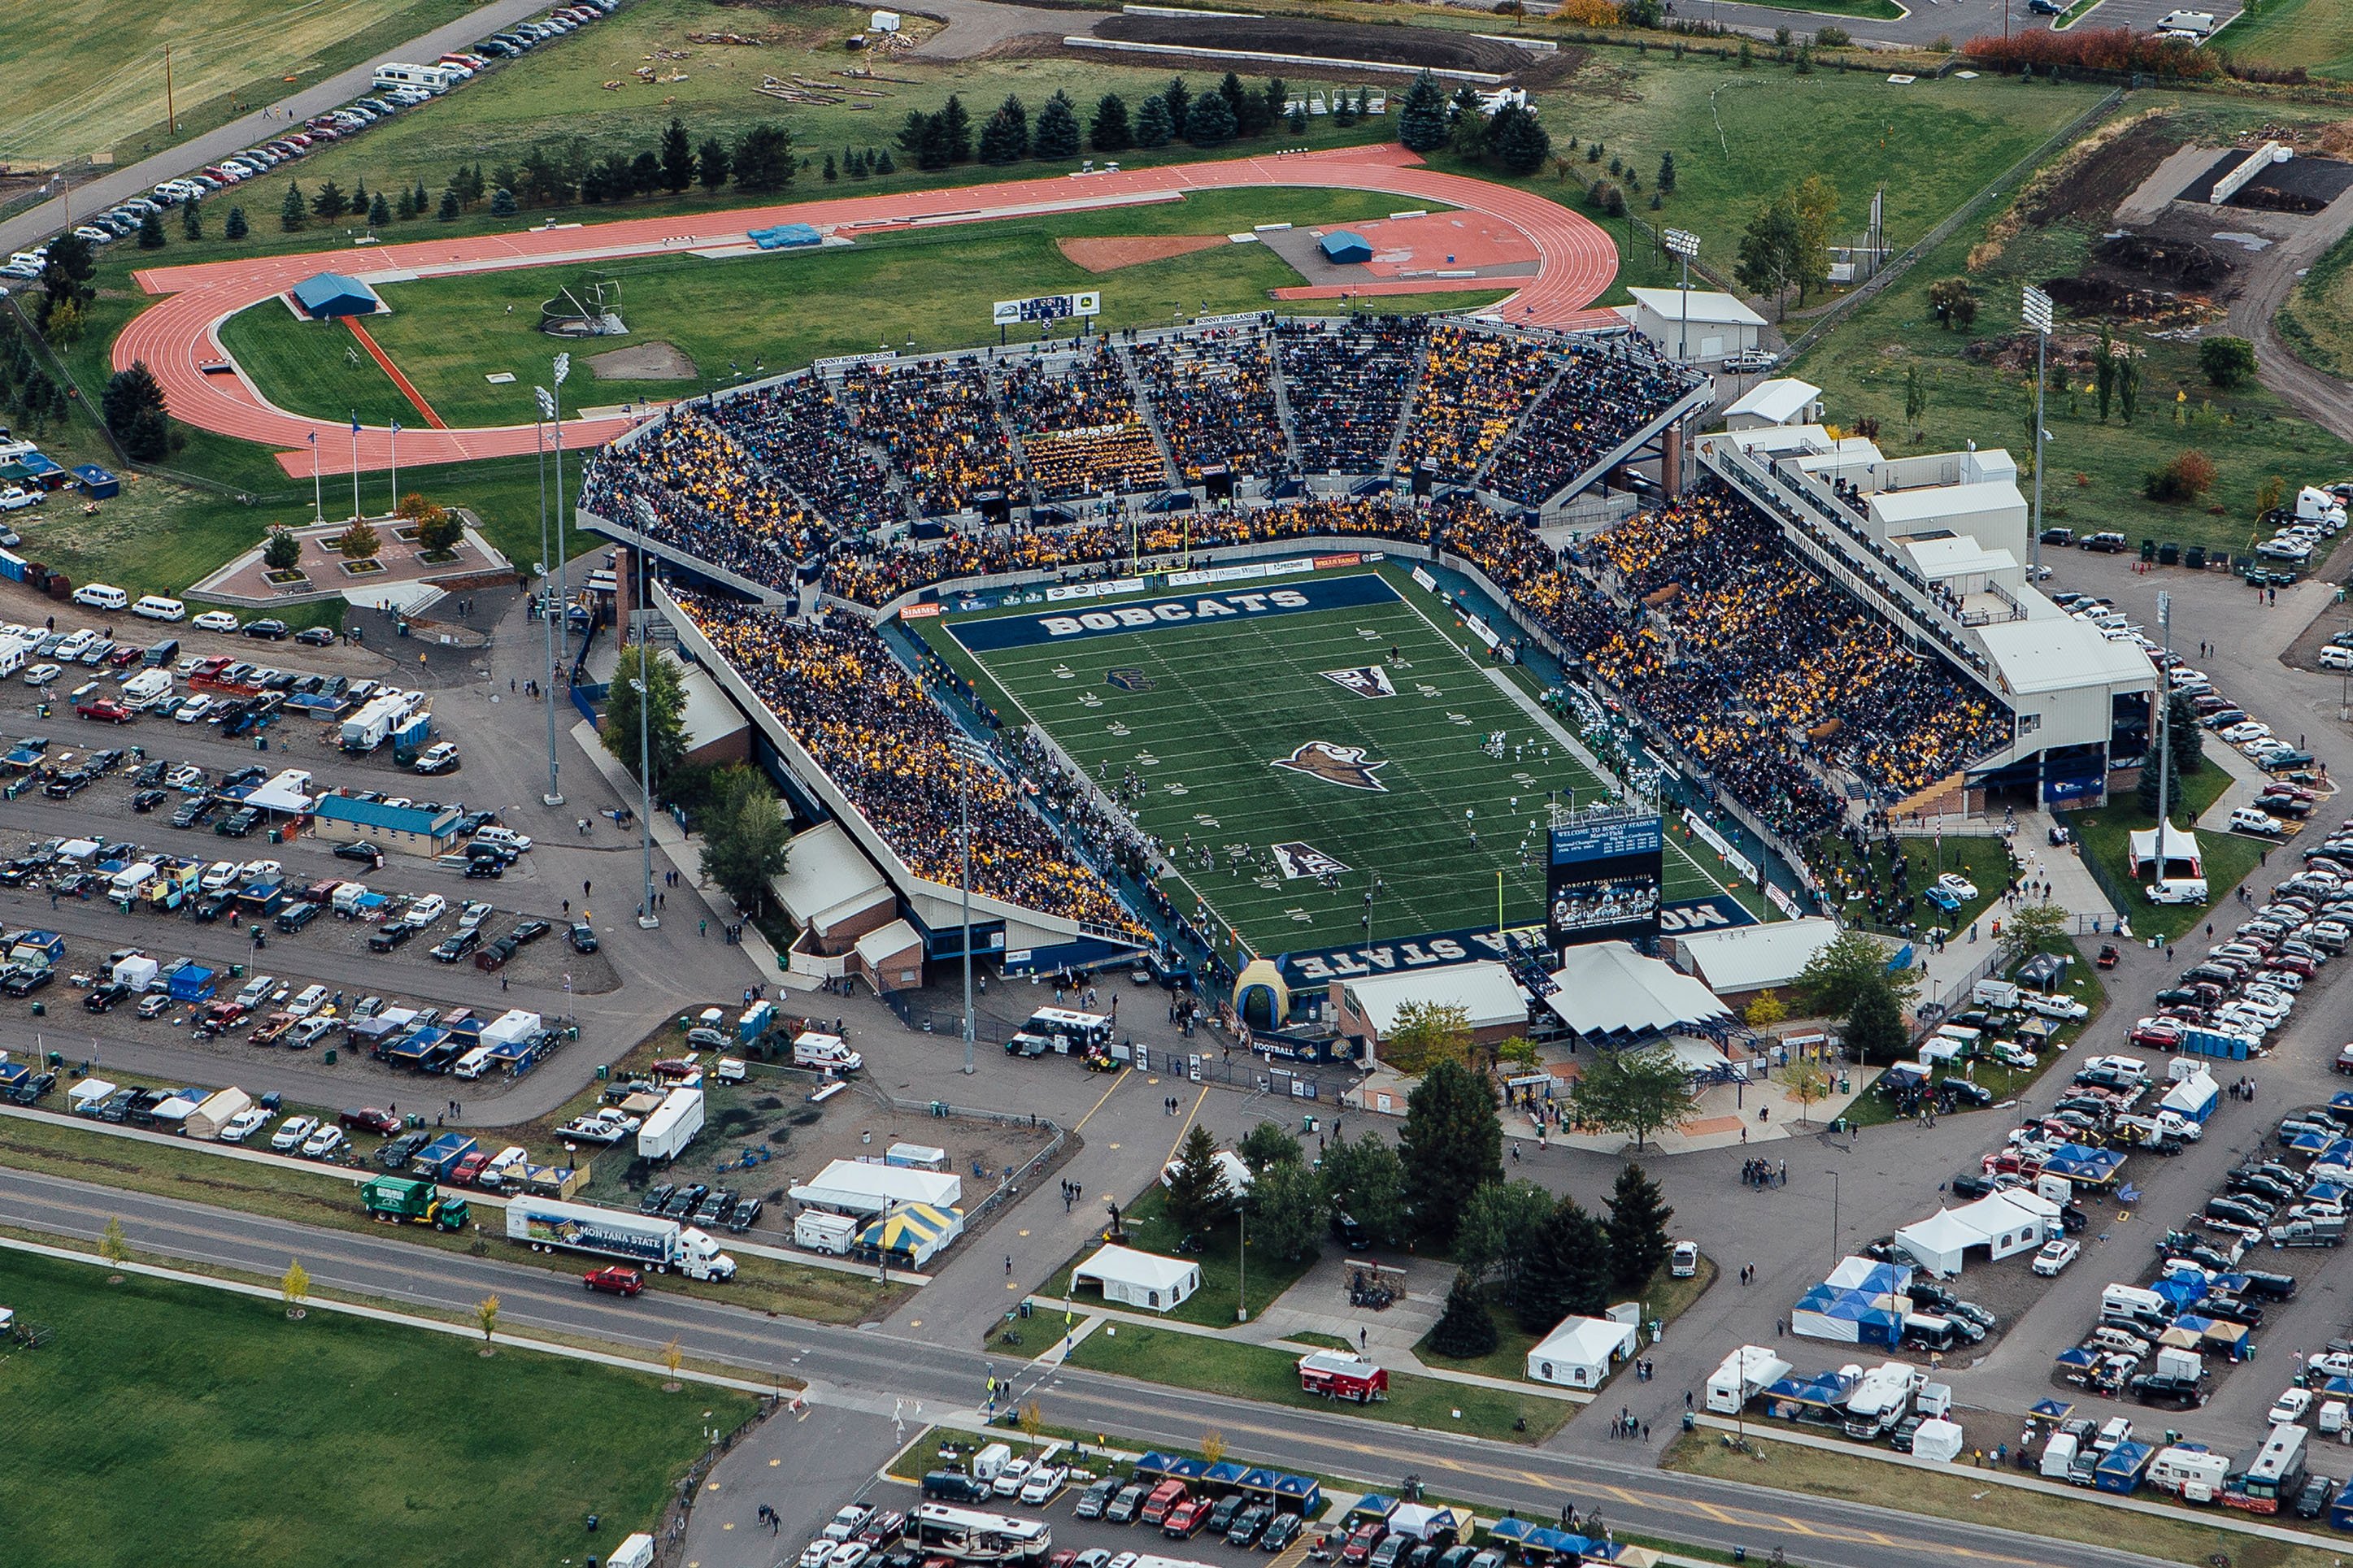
1576,263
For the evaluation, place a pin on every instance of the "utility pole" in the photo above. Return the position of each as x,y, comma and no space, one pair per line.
2035,306
171,113
2164,735
554,608
646,919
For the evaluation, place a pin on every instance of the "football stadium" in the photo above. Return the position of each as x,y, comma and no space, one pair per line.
1313,640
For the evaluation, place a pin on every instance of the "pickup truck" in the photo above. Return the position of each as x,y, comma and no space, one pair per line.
605,1126
106,709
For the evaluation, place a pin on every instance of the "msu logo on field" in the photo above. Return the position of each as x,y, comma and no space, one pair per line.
1366,680
1129,680
1305,860
1342,765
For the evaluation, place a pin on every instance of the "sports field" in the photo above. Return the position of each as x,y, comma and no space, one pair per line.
1297,741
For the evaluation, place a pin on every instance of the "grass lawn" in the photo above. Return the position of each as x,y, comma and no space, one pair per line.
1984,859
190,1425
823,1295
2107,849
2315,34
92,76
1271,1376
1664,1299
1212,1306
2096,468
2319,315
776,310
1789,1467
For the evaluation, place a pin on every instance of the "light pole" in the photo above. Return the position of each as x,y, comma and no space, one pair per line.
355,465
2035,306
1683,243
2164,757
1241,1265
555,414
968,756
395,468
318,498
554,795
1834,1216
646,919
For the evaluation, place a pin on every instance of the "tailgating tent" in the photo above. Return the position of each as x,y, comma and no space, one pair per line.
2181,852
1136,1279
1938,1439
858,1187
1344,244
1869,1275
1846,1317
914,1235
1229,1165
2193,1098
329,295
88,1093
1578,1351
1822,1391
2079,1164
1937,1242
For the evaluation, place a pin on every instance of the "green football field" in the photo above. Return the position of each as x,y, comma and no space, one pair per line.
1192,725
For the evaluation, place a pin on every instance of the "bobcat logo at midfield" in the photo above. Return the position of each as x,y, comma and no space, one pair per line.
1366,680
1342,765
1129,680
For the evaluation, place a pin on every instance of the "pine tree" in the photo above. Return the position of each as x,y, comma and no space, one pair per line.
1198,1194
1637,1230
857,165
1667,173
151,231
1273,103
883,164
1005,139
132,406
1466,1329
1057,135
1109,131
1209,122
1451,1142
293,212
830,172
405,208
1567,1271
380,211
645,174
424,198
359,195
192,221
502,203
711,163
330,202
1179,98
1421,117
449,210
1241,103
955,125
677,158
235,228
1874,1026
1153,126
1517,141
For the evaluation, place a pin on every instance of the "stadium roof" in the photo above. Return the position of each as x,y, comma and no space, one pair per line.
1778,400
1936,503
1750,958
1706,305
2060,653
826,871
706,711
1956,555
1608,990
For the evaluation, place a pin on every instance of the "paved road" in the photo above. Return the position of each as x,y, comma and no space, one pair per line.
857,1365
35,223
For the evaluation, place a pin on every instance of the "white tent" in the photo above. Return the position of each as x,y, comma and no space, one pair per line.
1135,1279
1936,1242
2180,845
858,1187
1938,1439
88,1093
1237,1172
2005,1223
137,972
510,1027
1578,1353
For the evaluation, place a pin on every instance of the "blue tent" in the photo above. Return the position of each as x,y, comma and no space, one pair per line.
1344,245
2179,1291
331,295
101,485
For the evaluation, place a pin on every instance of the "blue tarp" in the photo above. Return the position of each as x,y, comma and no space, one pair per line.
784,236
2180,1292
1345,245
97,481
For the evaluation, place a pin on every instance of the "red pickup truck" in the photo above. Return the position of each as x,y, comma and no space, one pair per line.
104,707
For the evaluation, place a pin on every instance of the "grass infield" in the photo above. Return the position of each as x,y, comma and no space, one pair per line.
1202,714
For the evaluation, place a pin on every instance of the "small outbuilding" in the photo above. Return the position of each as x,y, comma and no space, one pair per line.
1346,245
330,296
1580,1351
1128,1278
1368,1007
1692,325
98,483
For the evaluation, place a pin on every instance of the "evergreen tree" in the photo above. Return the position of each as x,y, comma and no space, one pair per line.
830,172
380,210
1638,1220
764,158
883,164
1286,1208
449,208
502,203
646,175
1874,1028
2186,743
1365,1181
1451,1144
1267,1145
330,202
1421,117
192,221
67,278
132,406
856,166
1465,1330
1057,135
1567,1271
235,228
1209,122
1109,131
955,125
677,158
1198,1196
1004,138
1240,102
1517,141
405,207
1273,103
2150,774
359,195
1153,126
711,163
1179,98
151,231
424,199
1667,173
293,212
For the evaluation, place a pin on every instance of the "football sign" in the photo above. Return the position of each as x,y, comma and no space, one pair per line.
1046,308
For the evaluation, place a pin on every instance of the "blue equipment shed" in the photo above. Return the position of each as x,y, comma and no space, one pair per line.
100,484
330,295
1346,244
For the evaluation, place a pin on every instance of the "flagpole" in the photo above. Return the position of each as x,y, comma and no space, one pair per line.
355,465
318,501
396,467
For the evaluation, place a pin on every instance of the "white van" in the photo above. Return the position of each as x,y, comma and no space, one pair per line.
2179,891
99,595
156,607
473,1064
2058,1457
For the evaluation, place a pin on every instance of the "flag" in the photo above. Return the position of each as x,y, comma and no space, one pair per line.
355,422
314,438
395,426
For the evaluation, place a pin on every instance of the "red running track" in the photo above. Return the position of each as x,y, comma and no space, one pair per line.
177,338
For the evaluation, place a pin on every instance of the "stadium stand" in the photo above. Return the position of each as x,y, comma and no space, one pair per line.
1601,399
1474,387
937,422
1213,396
1080,431
1347,384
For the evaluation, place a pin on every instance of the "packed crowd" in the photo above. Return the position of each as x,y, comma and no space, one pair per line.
1474,387
801,432
1213,396
707,497
1347,382
938,422
1600,400
1077,424
889,750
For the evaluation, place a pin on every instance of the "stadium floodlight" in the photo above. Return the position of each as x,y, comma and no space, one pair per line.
546,402
1680,242
1684,245
563,367
2034,305
970,754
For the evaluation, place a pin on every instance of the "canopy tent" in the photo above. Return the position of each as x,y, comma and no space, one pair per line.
1871,1275
2078,1163
1822,1391
915,1234
1136,1279
1607,992
1937,1242
2182,853
1580,1352
1846,1317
